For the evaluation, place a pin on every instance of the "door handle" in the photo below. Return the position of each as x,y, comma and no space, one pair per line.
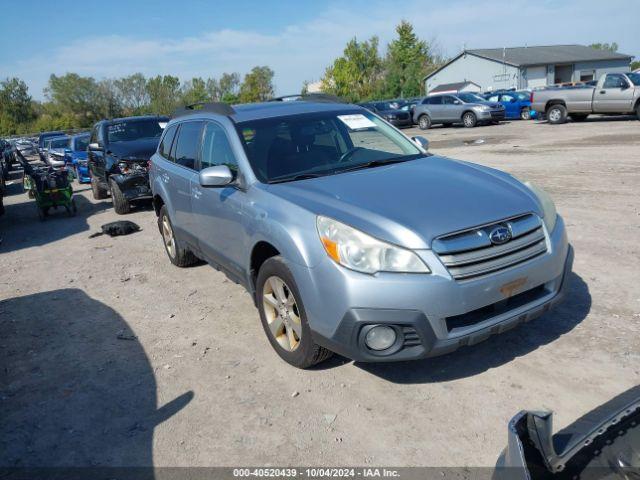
602,92
196,192
165,177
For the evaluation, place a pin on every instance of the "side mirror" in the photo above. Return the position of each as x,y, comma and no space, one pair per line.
421,142
95,146
217,176
624,86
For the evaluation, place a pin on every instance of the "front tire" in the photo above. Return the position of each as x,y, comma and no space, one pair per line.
424,122
99,193
557,114
283,316
120,203
178,255
469,119
638,111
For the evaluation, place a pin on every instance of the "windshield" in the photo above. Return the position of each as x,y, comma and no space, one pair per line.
134,129
81,143
471,98
635,78
59,143
280,149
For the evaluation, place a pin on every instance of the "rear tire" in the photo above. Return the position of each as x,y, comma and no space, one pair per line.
469,119
293,326
557,114
424,122
120,203
99,193
525,114
178,255
638,111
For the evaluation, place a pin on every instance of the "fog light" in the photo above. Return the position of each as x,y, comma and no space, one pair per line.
380,337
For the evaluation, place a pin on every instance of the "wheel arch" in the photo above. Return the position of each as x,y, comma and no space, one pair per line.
551,103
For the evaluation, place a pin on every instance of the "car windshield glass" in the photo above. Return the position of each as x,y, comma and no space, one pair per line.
386,106
523,96
470,98
81,143
59,143
133,130
324,143
635,78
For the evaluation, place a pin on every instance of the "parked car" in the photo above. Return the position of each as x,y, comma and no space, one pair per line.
28,151
2,192
390,112
6,154
118,155
76,156
54,150
350,237
42,138
616,93
517,104
466,108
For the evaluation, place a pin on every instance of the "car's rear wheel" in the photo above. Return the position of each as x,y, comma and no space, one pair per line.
525,114
120,203
283,316
424,122
638,110
178,255
469,119
557,114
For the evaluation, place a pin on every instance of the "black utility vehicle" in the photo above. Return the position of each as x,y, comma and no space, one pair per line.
119,152
391,112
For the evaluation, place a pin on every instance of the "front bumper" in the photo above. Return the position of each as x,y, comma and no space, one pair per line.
425,310
134,186
404,122
490,116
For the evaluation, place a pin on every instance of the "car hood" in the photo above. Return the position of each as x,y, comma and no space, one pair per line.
79,154
413,202
138,149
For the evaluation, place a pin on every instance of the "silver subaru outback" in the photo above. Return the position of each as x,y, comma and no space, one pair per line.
351,237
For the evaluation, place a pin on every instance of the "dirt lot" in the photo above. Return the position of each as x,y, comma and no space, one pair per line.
200,385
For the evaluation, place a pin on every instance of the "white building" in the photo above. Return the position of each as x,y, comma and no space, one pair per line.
527,67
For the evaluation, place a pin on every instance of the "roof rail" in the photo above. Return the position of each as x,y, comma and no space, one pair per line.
213,107
309,97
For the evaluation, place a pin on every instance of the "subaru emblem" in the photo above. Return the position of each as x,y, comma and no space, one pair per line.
500,235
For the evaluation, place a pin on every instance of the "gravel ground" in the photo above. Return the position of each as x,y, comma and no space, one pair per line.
112,356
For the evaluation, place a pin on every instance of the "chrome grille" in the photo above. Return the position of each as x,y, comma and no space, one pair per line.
470,253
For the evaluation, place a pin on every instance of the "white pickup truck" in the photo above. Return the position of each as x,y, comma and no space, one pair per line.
615,93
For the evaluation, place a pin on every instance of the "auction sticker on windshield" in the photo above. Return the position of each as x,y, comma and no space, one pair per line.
356,121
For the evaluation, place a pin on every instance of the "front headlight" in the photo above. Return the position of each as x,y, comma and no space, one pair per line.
358,251
548,207
485,108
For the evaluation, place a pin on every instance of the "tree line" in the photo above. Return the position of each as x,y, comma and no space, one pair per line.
75,101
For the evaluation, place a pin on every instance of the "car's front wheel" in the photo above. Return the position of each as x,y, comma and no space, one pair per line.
99,193
120,203
283,316
469,119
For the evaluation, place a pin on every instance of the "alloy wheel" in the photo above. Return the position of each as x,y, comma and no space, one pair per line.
468,120
554,115
167,236
282,314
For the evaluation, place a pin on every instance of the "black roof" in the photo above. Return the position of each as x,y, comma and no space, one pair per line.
522,56
448,87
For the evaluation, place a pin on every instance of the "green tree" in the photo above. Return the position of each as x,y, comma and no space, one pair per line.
16,106
355,75
194,91
611,47
164,94
75,96
257,85
406,63
132,93
635,65
226,89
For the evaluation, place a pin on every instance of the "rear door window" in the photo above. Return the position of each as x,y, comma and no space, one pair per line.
167,140
187,144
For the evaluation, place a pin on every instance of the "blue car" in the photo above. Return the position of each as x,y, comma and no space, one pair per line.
76,155
517,105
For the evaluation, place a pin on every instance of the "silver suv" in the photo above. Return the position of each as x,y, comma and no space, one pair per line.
466,108
350,237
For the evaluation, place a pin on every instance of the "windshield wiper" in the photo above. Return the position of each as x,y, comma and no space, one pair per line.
300,176
375,163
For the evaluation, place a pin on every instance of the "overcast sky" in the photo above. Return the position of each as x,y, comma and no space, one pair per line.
297,39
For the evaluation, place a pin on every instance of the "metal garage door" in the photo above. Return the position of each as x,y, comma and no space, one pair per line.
536,76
